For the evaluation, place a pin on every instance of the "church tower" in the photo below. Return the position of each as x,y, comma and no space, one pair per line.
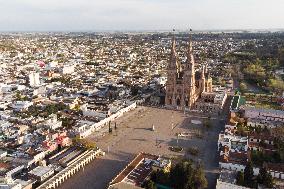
172,71
181,90
189,77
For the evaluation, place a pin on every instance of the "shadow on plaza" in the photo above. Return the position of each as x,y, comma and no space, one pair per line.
119,155
145,128
139,139
95,175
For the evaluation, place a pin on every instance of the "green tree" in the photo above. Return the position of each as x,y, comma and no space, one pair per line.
199,178
240,178
243,87
178,177
255,72
262,175
85,143
67,122
162,177
149,184
18,96
276,84
248,174
241,129
25,98
265,178
268,182
182,176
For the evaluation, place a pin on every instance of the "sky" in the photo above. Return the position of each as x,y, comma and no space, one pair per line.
96,15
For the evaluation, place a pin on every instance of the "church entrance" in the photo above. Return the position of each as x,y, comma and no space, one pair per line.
178,102
186,103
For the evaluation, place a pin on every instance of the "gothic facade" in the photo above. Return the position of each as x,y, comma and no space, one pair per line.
184,85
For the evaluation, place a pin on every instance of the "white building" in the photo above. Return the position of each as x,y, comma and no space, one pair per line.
41,173
227,180
68,69
34,79
225,185
268,118
10,186
21,105
83,128
264,114
234,143
53,123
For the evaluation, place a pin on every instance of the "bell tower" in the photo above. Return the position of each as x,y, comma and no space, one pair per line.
189,76
172,71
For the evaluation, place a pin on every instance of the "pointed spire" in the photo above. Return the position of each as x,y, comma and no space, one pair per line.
173,59
174,64
190,58
190,44
173,45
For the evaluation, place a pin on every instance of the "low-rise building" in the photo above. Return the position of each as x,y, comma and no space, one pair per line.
42,173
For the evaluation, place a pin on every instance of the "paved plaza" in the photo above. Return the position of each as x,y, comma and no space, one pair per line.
134,134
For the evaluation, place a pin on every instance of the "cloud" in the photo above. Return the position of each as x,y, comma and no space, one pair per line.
139,14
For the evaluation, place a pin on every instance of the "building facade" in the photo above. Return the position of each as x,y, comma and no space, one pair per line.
184,85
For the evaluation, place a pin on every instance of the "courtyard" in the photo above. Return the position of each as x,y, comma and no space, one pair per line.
135,134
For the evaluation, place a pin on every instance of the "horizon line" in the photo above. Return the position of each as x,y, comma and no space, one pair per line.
143,30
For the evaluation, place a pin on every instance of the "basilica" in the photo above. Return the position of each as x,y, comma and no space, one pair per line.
187,88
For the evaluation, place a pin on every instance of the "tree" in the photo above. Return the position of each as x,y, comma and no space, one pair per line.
255,71
265,178
77,107
199,179
241,129
67,122
240,178
162,177
268,182
177,176
248,174
243,87
181,176
85,143
149,184
276,84
262,174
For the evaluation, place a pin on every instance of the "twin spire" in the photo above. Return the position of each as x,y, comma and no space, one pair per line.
174,60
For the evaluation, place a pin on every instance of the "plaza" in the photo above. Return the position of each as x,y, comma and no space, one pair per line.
135,134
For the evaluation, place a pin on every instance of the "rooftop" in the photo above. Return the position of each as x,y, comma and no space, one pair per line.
41,170
137,171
